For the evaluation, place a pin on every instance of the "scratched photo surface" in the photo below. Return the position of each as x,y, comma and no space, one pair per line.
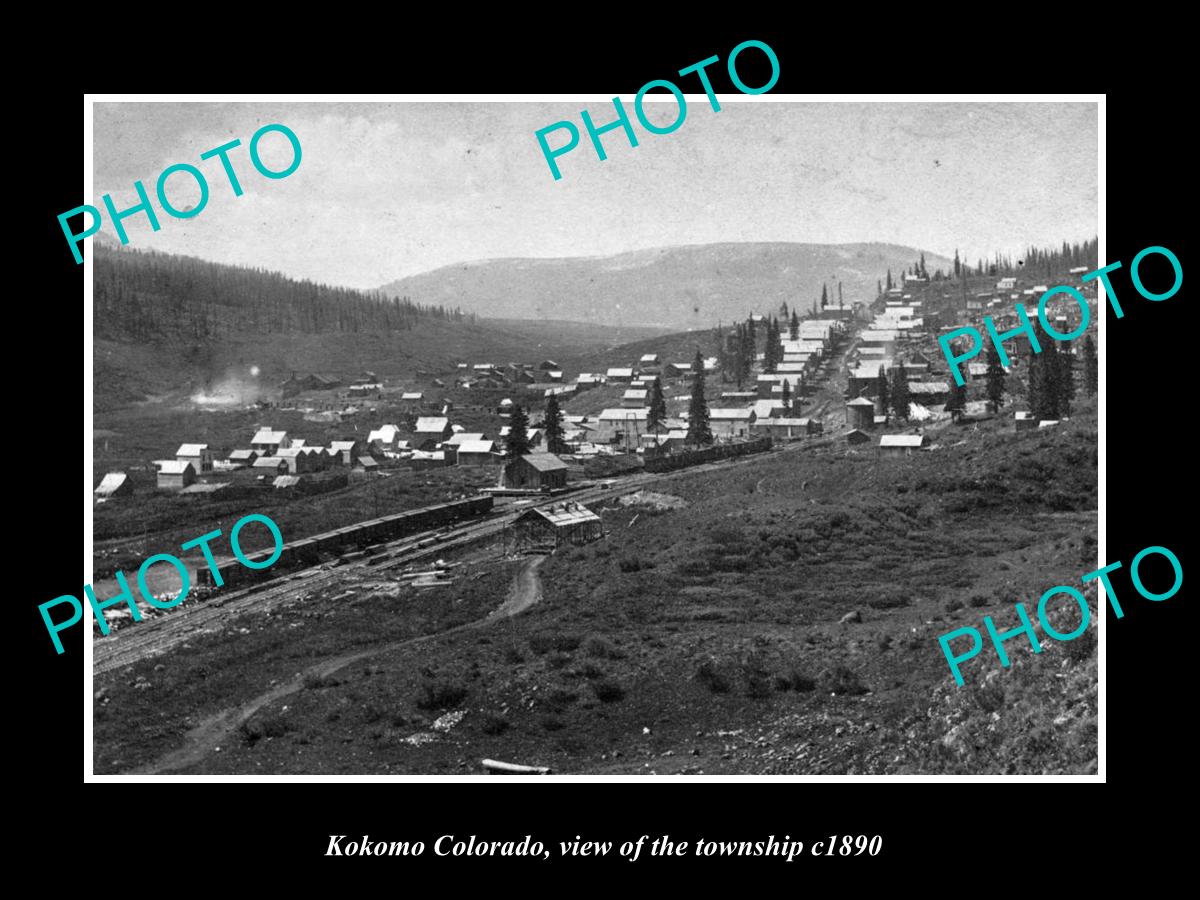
660,466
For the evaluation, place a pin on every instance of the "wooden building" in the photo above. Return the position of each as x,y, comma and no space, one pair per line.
535,471
556,525
175,475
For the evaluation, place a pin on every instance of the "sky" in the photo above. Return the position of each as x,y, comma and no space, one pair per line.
387,190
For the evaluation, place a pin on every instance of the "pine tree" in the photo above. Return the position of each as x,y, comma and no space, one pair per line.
552,421
924,273
841,302
957,264
787,396
699,431
748,350
773,354
957,404
1045,388
878,288
900,396
1091,373
889,279
658,407
794,331
881,388
824,296
995,380
1066,381
783,310
517,443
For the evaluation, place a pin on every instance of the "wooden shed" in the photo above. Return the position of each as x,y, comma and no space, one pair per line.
535,471
175,475
553,526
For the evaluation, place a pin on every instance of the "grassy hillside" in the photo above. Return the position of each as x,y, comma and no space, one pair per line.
705,633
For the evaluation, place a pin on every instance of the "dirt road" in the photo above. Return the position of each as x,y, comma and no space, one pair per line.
214,731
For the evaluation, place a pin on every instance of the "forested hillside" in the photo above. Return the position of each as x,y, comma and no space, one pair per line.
146,296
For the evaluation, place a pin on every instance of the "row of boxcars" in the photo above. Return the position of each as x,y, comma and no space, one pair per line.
310,550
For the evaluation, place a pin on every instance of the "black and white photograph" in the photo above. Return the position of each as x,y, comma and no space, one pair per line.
531,436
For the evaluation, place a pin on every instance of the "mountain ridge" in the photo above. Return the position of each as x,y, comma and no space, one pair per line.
684,286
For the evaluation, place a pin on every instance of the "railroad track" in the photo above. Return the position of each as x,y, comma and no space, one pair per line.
154,637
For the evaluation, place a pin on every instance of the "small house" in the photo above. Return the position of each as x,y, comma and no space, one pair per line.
860,413
174,474
558,524
431,431
344,453
198,455
900,444
856,436
114,484
731,422
477,453
268,442
535,471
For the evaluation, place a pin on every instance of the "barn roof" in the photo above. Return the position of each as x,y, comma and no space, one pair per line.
431,424
174,467
477,446
243,454
267,436
725,414
902,440
191,449
111,483
544,462
464,437
561,515
268,462
621,415
339,446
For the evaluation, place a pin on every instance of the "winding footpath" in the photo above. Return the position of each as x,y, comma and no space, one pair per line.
526,590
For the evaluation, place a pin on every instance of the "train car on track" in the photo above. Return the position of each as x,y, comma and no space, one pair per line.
309,551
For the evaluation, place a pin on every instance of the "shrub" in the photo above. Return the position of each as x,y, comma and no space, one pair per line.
989,697
978,600
842,680
513,655
800,680
541,644
254,730
440,694
493,724
1082,647
557,660
888,600
607,690
599,648
712,677
629,564
591,670
954,605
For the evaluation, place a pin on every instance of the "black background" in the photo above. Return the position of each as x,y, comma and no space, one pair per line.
284,834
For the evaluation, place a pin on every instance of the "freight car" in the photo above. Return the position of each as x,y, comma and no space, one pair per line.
310,550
